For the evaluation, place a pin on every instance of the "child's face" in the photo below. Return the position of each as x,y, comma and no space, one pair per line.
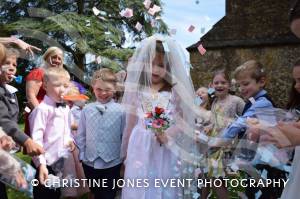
55,87
221,85
104,91
296,76
8,69
202,92
158,69
248,86
55,60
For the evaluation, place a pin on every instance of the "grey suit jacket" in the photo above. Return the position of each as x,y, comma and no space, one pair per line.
9,111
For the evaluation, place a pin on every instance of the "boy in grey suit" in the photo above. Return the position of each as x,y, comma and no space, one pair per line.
99,135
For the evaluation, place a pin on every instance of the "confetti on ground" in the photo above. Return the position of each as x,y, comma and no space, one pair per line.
138,26
88,23
147,4
128,13
201,49
96,11
191,28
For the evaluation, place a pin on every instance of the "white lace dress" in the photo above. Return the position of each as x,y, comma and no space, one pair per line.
147,159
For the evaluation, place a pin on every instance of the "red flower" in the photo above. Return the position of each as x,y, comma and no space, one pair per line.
159,110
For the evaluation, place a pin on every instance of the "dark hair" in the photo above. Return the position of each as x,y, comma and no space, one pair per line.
294,10
294,97
224,73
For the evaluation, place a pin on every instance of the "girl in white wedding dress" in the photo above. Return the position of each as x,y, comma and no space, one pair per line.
157,77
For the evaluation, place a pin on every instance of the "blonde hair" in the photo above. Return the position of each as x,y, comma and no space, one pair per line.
2,53
73,90
53,51
55,72
252,68
10,52
106,75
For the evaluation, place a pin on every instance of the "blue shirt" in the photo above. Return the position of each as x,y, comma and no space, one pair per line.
239,125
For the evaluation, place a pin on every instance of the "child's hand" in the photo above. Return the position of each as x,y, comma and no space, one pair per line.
71,145
6,143
20,180
161,138
43,173
33,148
74,127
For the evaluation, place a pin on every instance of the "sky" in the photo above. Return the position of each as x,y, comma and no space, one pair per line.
180,14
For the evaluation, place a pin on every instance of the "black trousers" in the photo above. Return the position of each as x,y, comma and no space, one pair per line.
110,174
267,192
3,194
42,192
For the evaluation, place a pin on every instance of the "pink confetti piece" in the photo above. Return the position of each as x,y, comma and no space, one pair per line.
147,4
201,49
191,28
128,13
151,11
156,8
138,26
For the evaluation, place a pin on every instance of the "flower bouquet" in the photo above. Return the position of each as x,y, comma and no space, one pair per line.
158,120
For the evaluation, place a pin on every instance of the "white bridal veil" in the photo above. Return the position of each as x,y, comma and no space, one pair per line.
139,78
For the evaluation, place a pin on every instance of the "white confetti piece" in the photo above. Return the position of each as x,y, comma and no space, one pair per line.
166,47
147,4
203,137
27,109
138,26
196,195
156,8
151,11
96,11
252,100
202,30
98,60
